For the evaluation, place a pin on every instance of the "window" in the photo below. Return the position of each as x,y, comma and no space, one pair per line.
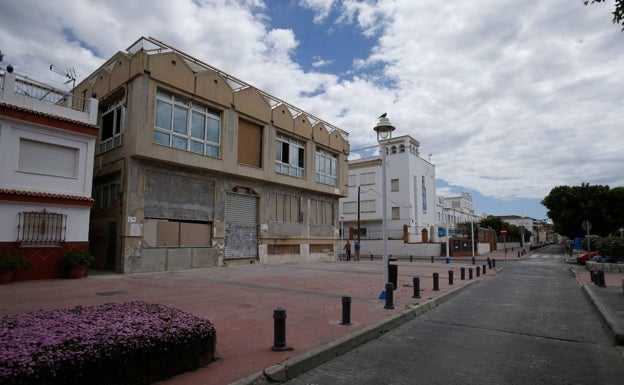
41,228
424,194
402,148
290,156
394,185
47,159
367,206
349,207
352,180
112,125
105,195
284,208
367,178
186,125
396,213
326,167
175,233
321,212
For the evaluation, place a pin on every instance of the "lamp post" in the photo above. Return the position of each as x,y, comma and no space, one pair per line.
384,132
341,234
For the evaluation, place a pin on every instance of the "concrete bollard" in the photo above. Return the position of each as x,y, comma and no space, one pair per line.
389,296
484,267
450,275
279,330
470,273
478,271
436,284
346,311
462,273
416,282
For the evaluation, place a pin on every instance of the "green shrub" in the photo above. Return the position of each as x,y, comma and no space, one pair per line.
13,261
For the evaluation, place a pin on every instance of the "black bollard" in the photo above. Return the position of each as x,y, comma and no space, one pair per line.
346,311
470,273
432,259
493,262
411,258
489,262
478,271
484,269
436,284
389,296
371,254
393,273
279,330
600,278
518,254
416,281
473,260
592,275
462,273
450,272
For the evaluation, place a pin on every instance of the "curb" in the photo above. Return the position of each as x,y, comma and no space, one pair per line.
304,362
605,315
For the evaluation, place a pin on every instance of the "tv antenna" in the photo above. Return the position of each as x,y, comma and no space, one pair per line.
69,73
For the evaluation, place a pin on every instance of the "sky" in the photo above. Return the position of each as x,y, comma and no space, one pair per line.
511,98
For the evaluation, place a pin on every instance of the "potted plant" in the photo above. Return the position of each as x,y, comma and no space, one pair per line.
76,263
9,262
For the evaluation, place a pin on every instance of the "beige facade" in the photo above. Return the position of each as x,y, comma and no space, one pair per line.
195,168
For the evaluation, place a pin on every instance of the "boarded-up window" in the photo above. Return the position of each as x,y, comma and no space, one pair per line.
284,207
183,234
249,143
321,212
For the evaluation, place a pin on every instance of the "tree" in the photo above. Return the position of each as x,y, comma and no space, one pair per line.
618,13
569,206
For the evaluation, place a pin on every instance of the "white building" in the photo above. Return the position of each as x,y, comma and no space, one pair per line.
47,143
453,210
411,199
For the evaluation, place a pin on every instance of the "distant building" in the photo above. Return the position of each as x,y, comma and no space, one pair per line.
196,168
47,144
411,203
456,209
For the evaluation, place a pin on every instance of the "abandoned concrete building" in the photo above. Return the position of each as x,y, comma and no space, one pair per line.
196,168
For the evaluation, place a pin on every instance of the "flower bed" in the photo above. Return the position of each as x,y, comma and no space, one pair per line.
127,343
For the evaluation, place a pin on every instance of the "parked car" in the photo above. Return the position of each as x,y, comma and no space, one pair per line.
586,257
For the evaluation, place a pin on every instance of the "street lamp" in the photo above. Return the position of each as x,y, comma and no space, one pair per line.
384,132
341,234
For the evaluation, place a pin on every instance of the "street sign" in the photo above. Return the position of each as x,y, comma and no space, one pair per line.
586,226
504,231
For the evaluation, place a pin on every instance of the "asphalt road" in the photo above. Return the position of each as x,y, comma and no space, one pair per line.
529,325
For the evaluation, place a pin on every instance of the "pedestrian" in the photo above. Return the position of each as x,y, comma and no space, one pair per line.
357,251
347,249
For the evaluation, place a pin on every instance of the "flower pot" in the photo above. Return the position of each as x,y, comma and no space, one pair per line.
77,272
6,276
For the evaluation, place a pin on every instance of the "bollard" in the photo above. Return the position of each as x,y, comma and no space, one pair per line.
473,260
493,262
489,262
432,259
450,272
436,286
470,273
416,282
600,278
389,296
411,258
484,267
462,273
478,271
518,254
371,254
393,273
592,275
346,311
279,330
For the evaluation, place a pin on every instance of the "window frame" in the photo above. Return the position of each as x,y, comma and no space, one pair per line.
324,176
287,146
117,108
182,131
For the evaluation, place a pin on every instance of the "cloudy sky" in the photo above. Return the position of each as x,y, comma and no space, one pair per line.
511,98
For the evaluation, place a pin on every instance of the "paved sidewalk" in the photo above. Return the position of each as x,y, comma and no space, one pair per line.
240,301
